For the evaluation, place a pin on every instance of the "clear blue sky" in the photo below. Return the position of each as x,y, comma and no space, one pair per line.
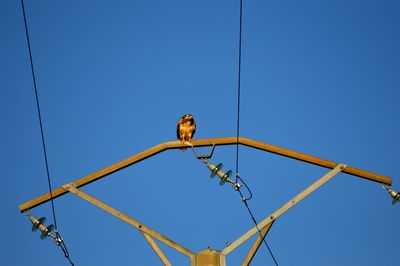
318,77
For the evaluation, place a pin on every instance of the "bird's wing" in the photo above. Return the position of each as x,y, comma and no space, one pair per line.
178,127
194,128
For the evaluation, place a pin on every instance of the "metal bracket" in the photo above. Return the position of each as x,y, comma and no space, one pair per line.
203,156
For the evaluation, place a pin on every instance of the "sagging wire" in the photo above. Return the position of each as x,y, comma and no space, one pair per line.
38,223
244,199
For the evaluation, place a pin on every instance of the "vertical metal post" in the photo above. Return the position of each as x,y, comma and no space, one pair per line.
209,257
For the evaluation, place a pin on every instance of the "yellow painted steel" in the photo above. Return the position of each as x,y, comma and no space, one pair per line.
156,249
200,143
140,226
257,243
302,195
209,257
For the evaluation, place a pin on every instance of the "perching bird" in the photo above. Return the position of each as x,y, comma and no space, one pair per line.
186,129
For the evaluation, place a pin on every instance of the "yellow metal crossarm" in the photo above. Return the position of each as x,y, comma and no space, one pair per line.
201,143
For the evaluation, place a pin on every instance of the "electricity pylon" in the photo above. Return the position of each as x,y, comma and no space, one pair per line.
208,257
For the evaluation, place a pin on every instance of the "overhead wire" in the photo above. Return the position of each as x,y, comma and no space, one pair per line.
244,199
239,84
39,113
59,240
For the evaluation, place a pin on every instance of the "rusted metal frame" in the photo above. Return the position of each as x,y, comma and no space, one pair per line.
256,245
200,143
284,208
144,229
156,249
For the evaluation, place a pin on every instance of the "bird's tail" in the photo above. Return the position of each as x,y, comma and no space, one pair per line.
187,143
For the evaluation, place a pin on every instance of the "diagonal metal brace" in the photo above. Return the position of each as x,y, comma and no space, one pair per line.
156,249
257,244
339,168
141,227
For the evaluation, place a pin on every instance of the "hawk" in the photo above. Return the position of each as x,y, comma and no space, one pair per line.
185,129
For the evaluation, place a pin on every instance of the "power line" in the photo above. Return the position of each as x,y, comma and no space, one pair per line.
238,131
244,200
39,114
238,85
59,241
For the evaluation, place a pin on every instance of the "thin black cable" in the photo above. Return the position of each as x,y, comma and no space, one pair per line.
238,132
238,86
61,243
39,114
256,224
247,187
65,249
